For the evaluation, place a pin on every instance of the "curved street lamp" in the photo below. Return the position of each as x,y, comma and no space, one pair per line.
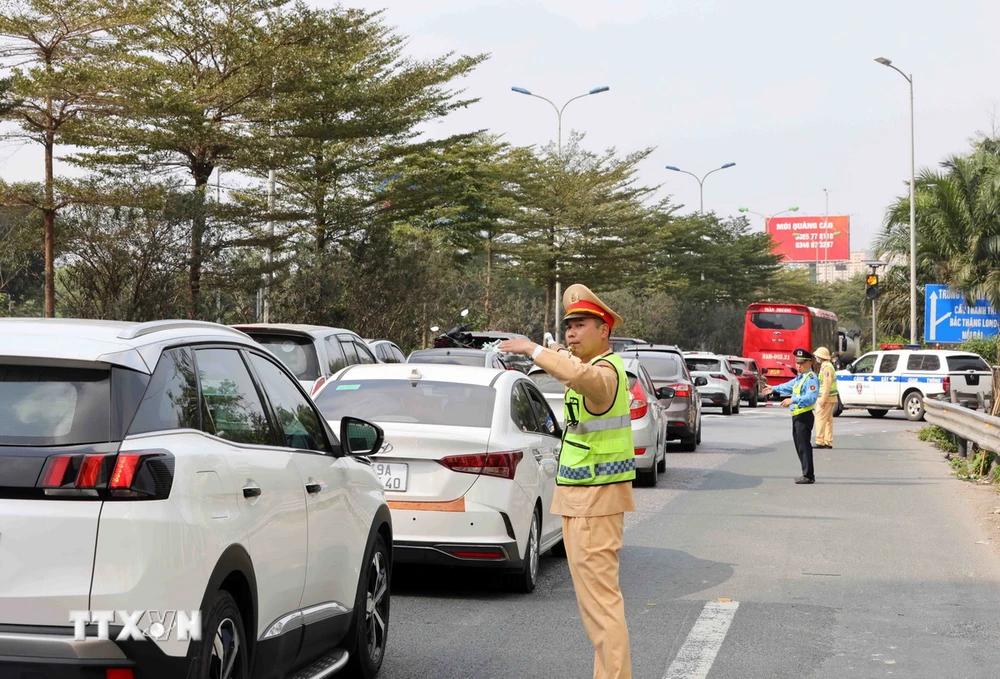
559,113
793,208
913,208
701,180
559,110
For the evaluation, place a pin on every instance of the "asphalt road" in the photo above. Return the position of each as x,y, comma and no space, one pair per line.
877,570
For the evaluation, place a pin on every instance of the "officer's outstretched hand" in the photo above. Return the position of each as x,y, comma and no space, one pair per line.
787,402
518,345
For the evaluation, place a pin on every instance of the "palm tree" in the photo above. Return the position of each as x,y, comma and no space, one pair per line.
958,234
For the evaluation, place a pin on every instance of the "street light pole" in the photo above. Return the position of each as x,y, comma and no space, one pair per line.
701,181
559,114
793,208
913,206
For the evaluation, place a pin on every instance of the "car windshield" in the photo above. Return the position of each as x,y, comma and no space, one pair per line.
447,358
296,352
439,403
967,362
703,364
54,406
547,384
662,366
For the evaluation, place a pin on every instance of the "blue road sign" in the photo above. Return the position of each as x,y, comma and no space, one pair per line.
948,319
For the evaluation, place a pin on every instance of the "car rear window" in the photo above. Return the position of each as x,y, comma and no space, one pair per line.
923,362
773,321
738,364
297,353
440,403
703,364
47,406
662,366
970,362
442,358
547,384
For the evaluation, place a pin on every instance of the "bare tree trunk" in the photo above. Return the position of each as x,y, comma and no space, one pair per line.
49,215
489,278
197,238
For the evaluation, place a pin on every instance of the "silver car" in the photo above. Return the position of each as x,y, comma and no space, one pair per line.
459,356
312,352
667,368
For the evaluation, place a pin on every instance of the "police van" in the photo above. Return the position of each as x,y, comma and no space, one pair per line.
899,377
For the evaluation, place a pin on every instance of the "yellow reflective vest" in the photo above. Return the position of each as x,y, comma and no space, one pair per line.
598,449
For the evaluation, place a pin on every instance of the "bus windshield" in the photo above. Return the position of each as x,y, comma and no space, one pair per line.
777,321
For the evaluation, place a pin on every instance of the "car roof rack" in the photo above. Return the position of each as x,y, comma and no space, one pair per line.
143,329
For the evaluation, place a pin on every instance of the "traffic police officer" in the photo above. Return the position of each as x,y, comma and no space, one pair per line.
596,469
827,401
801,394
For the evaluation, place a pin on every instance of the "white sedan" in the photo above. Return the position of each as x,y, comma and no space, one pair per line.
468,465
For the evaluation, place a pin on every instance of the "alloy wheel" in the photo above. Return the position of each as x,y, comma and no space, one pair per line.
226,648
376,607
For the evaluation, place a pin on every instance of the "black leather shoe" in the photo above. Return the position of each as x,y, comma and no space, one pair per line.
803,479
822,446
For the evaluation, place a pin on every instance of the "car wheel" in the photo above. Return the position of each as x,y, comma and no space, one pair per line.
698,439
877,412
736,404
661,466
727,410
525,580
371,614
754,397
224,652
914,406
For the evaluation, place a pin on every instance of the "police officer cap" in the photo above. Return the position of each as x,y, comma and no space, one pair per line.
803,355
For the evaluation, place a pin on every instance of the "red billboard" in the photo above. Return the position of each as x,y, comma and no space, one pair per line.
811,239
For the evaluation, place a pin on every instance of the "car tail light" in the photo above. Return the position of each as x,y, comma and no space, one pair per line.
316,386
682,390
499,465
946,384
119,673
146,475
477,553
639,406
640,451
717,376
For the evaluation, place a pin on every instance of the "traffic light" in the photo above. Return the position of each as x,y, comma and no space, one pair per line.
871,286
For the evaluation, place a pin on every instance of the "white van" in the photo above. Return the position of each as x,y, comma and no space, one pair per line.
900,378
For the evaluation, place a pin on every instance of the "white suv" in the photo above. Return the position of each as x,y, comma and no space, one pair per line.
901,378
722,387
173,469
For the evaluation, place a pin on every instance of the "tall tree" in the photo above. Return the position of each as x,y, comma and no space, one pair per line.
54,49
194,79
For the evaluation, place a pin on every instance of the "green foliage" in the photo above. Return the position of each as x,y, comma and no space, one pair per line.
939,437
987,348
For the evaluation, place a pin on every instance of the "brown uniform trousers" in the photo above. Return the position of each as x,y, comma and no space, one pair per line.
593,539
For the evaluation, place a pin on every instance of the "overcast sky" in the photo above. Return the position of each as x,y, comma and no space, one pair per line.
787,90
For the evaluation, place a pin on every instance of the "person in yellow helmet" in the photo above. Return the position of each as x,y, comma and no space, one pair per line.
596,469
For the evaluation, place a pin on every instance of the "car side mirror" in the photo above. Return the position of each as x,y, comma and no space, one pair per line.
664,393
358,437
700,381
850,368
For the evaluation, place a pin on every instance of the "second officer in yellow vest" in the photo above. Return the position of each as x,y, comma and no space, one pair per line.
826,404
802,393
596,469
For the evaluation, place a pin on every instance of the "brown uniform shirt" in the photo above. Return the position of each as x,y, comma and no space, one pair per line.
829,376
598,384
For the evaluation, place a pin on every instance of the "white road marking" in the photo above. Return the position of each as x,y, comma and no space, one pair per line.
695,659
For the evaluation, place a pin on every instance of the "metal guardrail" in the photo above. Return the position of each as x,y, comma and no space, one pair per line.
967,424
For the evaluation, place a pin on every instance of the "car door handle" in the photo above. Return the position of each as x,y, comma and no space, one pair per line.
313,487
251,491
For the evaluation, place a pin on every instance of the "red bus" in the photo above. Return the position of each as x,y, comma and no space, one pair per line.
773,331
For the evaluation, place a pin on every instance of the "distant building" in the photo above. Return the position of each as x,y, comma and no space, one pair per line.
829,272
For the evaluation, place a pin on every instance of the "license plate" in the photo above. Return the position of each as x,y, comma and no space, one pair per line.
394,475
773,371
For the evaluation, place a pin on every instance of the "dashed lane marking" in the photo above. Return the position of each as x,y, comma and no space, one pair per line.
697,655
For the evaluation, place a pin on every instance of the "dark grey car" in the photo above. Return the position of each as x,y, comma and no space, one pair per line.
667,368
